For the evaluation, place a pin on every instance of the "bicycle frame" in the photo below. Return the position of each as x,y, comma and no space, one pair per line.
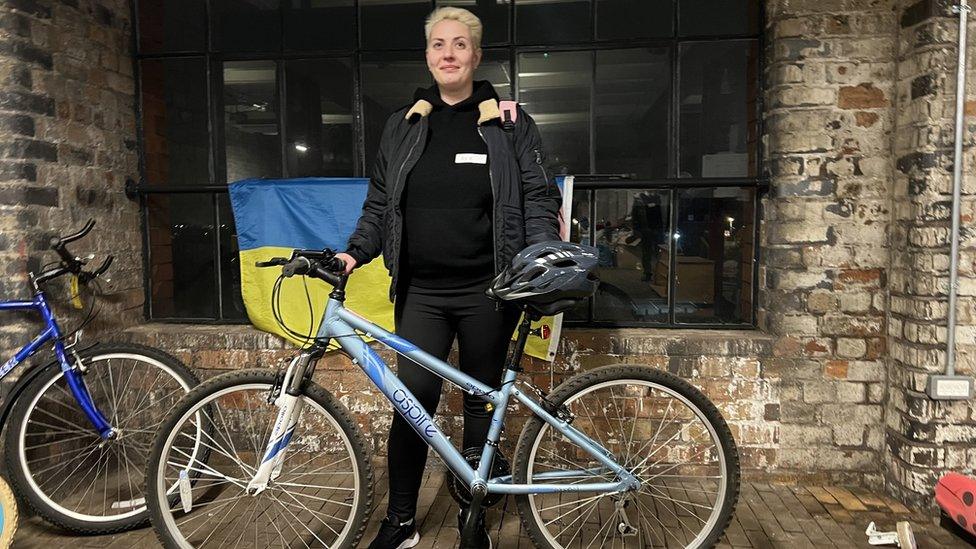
339,323
71,374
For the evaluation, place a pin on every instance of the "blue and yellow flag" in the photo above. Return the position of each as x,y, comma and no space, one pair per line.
275,216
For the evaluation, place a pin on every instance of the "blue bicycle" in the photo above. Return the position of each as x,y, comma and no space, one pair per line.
80,427
617,456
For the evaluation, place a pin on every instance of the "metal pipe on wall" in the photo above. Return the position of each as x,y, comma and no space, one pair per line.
949,386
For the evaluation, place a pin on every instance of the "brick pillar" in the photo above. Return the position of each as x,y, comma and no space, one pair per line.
824,268
924,438
67,144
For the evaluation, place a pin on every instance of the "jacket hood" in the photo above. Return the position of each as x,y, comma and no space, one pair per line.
483,97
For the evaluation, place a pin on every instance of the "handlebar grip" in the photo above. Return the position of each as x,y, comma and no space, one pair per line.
103,267
80,234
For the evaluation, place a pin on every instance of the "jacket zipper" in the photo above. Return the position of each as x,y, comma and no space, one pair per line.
538,160
494,206
396,182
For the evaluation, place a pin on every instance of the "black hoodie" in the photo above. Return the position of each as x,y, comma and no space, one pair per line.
447,200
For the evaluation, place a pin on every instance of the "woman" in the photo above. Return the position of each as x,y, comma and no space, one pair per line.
453,197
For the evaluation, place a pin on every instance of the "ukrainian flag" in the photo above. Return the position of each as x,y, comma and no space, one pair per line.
275,216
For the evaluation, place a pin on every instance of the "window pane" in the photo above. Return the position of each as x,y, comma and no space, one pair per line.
718,109
717,17
319,119
320,24
388,84
632,103
631,237
555,89
714,243
181,248
496,68
580,232
174,121
393,24
246,25
230,267
549,21
493,15
616,19
251,144
172,25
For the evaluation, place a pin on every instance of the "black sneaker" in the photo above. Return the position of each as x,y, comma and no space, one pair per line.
394,534
481,538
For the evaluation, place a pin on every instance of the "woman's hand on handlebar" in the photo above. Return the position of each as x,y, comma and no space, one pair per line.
348,259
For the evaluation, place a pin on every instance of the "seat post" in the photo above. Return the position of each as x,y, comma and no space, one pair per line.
523,336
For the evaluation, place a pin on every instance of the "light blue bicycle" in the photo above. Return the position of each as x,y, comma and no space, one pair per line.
617,456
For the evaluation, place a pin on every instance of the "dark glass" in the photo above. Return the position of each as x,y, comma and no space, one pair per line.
580,232
493,15
320,25
555,89
630,229
496,68
393,24
251,144
717,109
181,252
633,92
552,21
717,17
714,253
172,25
176,142
245,25
623,19
230,263
319,118
388,83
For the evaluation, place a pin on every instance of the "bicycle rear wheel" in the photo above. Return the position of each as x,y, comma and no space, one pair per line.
320,498
62,468
663,431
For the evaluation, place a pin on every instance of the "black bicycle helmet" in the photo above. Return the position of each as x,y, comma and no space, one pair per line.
548,276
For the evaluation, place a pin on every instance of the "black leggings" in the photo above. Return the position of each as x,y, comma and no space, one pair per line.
430,319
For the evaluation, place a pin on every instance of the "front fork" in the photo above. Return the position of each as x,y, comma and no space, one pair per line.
290,405
73,370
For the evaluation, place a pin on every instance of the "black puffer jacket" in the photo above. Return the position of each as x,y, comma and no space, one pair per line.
526,200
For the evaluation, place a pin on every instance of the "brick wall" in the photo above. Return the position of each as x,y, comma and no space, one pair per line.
67,144
924,438
830,83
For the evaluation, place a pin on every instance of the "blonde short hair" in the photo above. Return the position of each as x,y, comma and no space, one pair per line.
460,15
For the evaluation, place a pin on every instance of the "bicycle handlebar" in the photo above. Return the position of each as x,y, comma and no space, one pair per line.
321,264
70,263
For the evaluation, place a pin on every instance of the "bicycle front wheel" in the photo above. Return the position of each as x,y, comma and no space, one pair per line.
663,431
62,468
198,498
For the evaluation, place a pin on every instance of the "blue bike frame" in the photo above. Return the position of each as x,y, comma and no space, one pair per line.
71,374
339,323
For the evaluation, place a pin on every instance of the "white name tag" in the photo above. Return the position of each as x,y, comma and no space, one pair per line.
470,158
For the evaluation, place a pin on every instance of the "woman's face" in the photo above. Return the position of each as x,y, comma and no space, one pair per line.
451,57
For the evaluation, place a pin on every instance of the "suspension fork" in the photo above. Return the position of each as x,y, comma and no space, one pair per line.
290,405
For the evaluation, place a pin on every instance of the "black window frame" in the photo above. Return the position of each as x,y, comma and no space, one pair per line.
214,59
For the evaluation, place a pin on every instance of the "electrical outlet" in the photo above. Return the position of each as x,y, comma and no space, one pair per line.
943,387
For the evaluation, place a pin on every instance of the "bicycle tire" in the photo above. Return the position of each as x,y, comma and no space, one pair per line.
162,495
579,386
47,392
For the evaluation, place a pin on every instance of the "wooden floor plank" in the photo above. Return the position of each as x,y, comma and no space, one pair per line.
846,498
